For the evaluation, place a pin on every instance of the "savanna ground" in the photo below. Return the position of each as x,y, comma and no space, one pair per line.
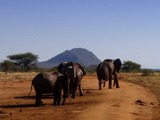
137,99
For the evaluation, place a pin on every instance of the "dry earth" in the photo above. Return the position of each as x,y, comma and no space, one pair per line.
130,102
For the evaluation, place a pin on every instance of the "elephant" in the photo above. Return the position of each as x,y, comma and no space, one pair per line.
106,69
50,83
75,73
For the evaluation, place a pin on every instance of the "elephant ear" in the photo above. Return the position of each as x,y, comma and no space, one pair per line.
66,66
61,66
117,65
80,67
70,72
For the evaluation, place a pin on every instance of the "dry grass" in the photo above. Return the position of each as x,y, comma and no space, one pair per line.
18,76
151,82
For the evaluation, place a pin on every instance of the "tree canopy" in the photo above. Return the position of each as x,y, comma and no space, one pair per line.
21,56
129,66
23,61
7,66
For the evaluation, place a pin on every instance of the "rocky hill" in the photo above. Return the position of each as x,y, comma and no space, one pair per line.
83,56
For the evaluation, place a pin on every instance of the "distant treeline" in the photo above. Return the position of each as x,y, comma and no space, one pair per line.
27,62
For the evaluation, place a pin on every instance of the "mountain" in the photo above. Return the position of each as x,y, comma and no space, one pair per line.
83,56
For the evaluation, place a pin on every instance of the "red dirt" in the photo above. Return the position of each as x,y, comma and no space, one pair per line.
129,102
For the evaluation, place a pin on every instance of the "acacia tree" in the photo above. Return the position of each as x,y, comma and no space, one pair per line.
23,61
7,66
129,66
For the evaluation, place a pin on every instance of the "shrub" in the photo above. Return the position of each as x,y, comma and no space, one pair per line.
147,72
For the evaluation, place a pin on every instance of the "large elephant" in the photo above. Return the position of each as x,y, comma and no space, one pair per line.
50,83
75,73
106,69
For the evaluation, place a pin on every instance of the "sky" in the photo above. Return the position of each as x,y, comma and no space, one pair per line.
125,29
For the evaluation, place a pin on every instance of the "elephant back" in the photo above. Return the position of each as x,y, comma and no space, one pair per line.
102,72
108,60
45,82
63,67
51,78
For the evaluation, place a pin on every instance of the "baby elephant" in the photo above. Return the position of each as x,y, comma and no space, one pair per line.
50,83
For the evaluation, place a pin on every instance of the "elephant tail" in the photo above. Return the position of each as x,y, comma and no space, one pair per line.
29,92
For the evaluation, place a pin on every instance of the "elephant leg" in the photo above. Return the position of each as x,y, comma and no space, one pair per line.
110,82
100,82
55,100
58,101
64,99
74,91
116,80
38,101
80,90
104,83
65,95
59,97
74,87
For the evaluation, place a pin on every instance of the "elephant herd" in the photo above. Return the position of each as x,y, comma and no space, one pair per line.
68,78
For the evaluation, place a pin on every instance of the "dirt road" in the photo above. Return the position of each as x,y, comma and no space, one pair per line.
130,102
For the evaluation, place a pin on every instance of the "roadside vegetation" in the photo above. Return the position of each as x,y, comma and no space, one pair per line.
151,81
